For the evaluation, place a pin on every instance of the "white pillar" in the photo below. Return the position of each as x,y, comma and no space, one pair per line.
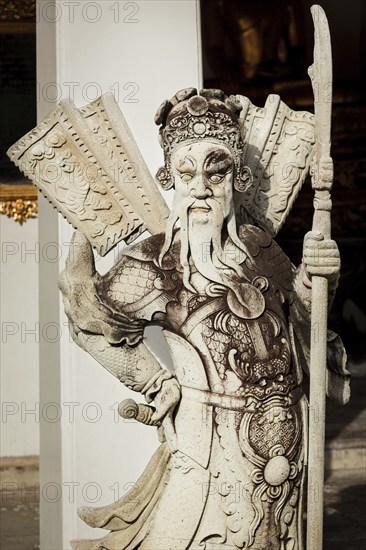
144,51
19,374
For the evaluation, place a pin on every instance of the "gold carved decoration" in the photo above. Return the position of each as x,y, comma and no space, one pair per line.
19,202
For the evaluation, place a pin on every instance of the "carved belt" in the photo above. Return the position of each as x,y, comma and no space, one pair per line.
233,402
223,401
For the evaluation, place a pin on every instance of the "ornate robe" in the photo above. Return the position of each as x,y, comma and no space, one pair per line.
236,480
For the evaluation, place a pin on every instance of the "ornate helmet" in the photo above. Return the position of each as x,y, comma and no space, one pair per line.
189,117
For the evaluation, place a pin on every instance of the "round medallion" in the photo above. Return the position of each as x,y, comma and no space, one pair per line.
277,470
197,105
246,301
199,128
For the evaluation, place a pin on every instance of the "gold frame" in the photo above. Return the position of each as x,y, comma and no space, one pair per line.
19,202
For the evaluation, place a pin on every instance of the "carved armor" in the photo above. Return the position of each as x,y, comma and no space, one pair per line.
239,422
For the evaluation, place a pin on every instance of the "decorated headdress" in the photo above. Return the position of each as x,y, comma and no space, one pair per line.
189,117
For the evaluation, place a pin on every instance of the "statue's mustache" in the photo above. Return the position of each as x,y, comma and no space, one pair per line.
192,203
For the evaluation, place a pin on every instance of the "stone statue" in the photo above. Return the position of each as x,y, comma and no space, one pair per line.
232,416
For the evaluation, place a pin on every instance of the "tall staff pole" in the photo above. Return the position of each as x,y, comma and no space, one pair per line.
322,177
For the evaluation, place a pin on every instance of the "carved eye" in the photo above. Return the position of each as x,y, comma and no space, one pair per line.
216,178
186,177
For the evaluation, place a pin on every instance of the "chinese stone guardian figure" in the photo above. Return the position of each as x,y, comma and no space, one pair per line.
229,472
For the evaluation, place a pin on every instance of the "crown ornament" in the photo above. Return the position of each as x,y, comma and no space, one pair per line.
190,117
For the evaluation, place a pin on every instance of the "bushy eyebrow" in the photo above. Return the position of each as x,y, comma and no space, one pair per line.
218,162
188,163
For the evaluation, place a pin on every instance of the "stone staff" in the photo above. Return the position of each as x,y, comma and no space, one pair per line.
321,178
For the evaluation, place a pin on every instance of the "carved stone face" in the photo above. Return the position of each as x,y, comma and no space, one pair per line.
203,171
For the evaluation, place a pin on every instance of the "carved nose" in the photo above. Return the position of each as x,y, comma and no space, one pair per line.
200,190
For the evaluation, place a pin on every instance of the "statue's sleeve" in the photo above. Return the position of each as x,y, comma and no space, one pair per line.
107,320
112,305
132,293
338,377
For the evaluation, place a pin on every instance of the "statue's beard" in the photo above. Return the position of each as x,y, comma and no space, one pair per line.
201,239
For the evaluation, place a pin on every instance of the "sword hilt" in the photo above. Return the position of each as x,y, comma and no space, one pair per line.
129,409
